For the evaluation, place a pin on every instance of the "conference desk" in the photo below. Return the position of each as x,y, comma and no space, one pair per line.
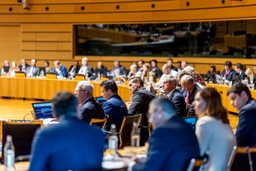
223,89
42,88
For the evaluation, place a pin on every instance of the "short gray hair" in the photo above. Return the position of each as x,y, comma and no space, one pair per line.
188,78
171,79
86,85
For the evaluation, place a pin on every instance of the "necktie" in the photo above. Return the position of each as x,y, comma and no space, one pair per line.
81,71
188,97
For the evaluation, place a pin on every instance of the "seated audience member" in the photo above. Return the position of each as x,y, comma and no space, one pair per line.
140,65
88,107
145,72
228,72
134,71
169,87
85,69
213,131
155,69
59,69
6,67
69,145
239,71
184,64
169,63
73,70
173,142
23,66
166,71
32,70
139,105
100,69
190,87
14,68
196,76
250,75
114,106
240,97
179,66
211,75
47,68
118,70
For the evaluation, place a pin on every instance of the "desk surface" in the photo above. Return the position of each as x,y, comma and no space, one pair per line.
42,88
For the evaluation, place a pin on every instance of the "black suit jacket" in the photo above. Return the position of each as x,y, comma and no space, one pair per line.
26,66
140,104
76,70
103,70
157,71
179,103
172,146
90,109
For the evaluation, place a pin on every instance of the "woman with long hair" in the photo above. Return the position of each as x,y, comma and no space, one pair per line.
14,67
212,129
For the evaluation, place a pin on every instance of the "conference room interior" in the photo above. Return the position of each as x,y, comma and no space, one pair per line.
234,40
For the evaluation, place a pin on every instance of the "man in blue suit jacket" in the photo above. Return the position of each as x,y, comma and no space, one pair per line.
59,69
228,72
114,107
173,142
70,145
169,87
240,97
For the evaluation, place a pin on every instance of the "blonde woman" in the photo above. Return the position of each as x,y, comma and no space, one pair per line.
249,73
14,67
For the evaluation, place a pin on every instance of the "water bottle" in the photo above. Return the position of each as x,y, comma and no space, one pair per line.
135,137
86,76
98,77
112,140
9,154
41,73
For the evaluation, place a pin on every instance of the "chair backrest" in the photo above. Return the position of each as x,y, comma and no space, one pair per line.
241,150
196,164
99,122
51,75
80,77
126,129
22,133
20,74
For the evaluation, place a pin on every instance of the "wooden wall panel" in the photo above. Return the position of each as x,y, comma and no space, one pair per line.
9,43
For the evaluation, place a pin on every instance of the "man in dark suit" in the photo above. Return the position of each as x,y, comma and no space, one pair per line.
100,69
114,107
88,107
32,71
240,97
190,87
85,69
69,145
240,72
228,72
173,142
140,102
169,63
118,70
73,69
169,87
23,66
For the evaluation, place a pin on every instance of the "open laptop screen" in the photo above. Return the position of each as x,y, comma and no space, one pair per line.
42,110
100,99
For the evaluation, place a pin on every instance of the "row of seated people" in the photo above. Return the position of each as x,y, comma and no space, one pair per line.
239,74
172,143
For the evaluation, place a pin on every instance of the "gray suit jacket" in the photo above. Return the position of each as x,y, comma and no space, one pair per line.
35,71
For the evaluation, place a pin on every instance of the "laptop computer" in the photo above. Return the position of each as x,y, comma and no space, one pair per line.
42,110
100,100
191,121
